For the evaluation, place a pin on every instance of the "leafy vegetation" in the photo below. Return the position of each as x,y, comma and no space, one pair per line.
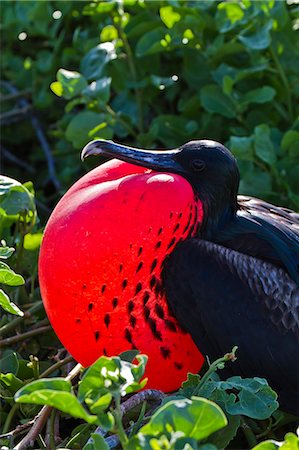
151,74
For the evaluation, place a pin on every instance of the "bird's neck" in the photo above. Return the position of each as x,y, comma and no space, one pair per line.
216,217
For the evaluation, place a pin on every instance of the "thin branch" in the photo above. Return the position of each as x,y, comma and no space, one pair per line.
40,419
140,397
15,160
21,337
23,103
56,366
27,314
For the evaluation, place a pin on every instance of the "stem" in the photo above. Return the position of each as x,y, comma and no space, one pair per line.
118,421
56,366
131,64
218,364
42,417
248,433
21,337
9,418
284,81
120,120
12,325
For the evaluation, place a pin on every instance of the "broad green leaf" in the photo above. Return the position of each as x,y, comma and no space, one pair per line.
9,362
290,140
6,252
264,148
242,147
8,305
260,95
189,385
85,126
32,241
69,84
214,101
99,90
101,404
228,14
151,42
258,40
112,375
169,16
9,277
96,442
15,198
54,392
94,62
108,33
291,442
99,7
196,418
11,382
253,397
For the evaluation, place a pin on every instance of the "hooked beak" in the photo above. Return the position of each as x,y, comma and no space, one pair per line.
158,160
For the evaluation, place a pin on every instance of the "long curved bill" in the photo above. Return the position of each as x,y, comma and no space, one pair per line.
158,160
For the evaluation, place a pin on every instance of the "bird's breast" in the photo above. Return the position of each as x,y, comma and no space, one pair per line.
100,268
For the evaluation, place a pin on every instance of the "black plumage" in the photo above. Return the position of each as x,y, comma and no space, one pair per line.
237,282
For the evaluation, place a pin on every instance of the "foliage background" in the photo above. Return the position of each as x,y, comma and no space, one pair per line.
153,74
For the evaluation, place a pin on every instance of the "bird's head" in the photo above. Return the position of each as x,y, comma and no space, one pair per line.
207,165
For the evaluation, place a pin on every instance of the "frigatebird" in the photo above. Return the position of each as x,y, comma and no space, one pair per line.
235,280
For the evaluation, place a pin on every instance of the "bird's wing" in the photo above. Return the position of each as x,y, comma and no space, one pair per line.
286,217
264,231
224,298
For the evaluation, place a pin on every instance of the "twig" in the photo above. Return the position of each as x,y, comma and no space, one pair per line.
132,402
15,160
12,325
56,366
20,337
41,418
248,433
140,397
218,364
14,96
23,103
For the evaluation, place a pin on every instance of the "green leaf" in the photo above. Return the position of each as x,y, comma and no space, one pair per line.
11,382
258,40
9,362
291,442
32,241
254,397
264,148
93,63
197,418
260,95
15,198
242,147
9,277
214,101
111,375
54,392
96,442
99,90
151,42
99,7
6,252
108,33
85,126
69,84
290,140
101,404
169,16
189,385
8,305
228,14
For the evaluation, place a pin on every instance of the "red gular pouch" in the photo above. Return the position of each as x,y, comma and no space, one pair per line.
100,268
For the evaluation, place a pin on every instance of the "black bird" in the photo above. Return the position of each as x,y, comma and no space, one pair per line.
237,282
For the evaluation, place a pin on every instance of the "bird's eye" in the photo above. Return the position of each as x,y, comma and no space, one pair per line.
198,165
